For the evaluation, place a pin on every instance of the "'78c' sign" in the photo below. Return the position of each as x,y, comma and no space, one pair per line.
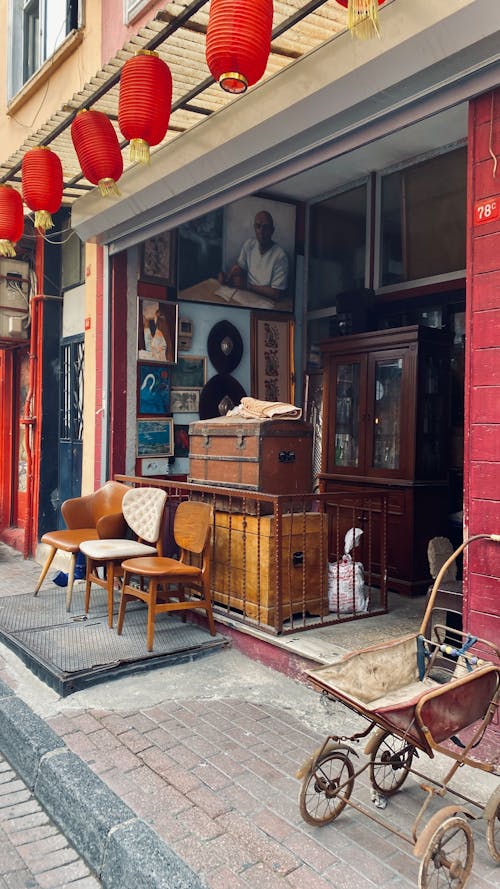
486,211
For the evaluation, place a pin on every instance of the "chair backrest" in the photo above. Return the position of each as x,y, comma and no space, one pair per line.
439,549
192,524
143,509
108,499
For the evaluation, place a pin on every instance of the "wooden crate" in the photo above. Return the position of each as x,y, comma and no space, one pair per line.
246,564
272,456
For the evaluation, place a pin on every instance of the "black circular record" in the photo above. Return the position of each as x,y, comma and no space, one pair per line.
225,347
220,394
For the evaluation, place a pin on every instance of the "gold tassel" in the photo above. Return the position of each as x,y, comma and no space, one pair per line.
362,18
108,187
6,248
43,220
139,151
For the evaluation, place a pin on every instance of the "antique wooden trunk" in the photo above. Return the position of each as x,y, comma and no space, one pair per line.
250,571
269,456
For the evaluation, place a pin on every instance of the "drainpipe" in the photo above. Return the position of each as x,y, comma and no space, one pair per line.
29,418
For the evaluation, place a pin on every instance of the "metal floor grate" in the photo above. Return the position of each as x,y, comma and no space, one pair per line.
69,651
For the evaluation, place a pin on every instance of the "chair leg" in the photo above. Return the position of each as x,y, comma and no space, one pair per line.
208,606
110,585
124,598
88,584
48,563
153,594
71,578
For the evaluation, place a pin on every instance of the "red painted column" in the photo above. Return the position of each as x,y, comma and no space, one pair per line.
482,369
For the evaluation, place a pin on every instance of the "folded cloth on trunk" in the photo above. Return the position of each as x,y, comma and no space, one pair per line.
255,409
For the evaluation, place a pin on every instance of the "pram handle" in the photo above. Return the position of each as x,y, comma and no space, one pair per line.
442,572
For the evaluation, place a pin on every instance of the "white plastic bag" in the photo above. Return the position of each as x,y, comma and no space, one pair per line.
346,580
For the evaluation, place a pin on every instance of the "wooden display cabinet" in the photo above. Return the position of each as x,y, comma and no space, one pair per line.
385,431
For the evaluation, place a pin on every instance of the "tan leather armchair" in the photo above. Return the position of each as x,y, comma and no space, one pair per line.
91,517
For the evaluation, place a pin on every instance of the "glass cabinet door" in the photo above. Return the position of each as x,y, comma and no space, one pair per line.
386,441
347,415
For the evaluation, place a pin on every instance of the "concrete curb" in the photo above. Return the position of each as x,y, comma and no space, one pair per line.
121,849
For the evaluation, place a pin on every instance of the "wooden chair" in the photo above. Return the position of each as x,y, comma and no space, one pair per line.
192,526
92,516
143,510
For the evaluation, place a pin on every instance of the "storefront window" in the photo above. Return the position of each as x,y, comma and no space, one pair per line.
337,247
423,211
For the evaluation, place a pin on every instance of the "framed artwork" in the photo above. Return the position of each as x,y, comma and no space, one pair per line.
238,233
153,389
155,437
272,343
184,401
190,372
157,330
158,259
181,440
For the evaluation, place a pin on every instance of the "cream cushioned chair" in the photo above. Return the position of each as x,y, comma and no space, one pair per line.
192,534
143,510
92,516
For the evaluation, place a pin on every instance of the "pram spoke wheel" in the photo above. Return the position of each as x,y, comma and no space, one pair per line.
447,861
493,826
391,760
326,788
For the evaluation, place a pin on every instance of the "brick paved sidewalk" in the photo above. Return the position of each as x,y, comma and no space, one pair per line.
206,753
34,854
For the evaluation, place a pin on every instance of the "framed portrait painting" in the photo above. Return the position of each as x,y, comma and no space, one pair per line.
158,255
155,437
157,330
153,389
181,440
272,343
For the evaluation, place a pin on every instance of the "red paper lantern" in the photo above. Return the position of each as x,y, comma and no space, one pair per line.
362,17
42,179
238,42
98,150
144,103
11,219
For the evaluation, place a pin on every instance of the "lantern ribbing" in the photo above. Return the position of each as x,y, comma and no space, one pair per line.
98,150
42,184
238,42
144,103
11,219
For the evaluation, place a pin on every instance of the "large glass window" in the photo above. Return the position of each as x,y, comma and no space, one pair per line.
337,247
38,28
423,210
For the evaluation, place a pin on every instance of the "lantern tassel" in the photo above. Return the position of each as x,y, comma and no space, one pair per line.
362,18
108,188
139,151
43,220
6,248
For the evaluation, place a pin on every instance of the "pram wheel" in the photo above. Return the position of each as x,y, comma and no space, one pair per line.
326,788
447,861
391,761
493,826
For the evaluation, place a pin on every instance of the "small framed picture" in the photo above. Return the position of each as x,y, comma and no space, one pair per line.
158,259
272,351
184,401
155,437
157,330
153,389
181,440
190,372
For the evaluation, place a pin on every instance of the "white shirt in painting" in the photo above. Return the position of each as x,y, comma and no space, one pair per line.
269,269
